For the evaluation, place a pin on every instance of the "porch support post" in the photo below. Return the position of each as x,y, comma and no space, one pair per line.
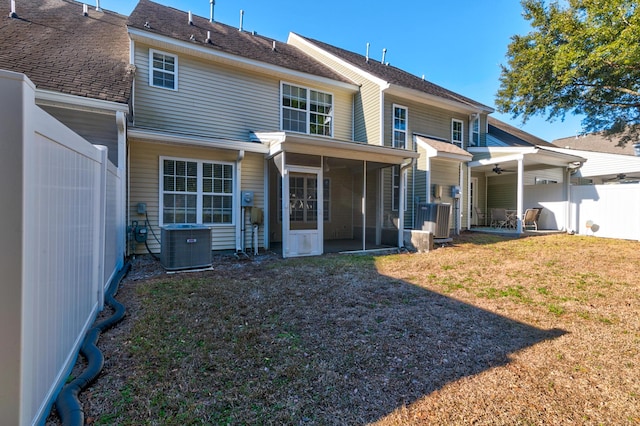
520,194
364,205
403,171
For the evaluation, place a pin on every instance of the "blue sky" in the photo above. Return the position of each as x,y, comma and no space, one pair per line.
458,44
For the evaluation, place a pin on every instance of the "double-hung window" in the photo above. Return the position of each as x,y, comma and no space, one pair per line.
307,111
399,127
196,192
457,132
395,188
475,132
163,70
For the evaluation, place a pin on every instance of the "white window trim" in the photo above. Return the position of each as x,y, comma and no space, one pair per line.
459,143
393,123
308,110
472,132
199,190
396,185
175,73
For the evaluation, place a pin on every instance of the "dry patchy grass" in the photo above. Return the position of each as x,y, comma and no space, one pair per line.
539,330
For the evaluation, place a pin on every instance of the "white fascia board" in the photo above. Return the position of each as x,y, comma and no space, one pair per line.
295,39
189,140
63,100
228,58
329,146
422,97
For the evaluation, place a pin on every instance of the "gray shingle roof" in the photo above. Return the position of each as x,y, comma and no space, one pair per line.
174,23
512,135
61,50
395,75
595,142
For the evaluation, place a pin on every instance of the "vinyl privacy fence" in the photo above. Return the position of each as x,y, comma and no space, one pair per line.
59,195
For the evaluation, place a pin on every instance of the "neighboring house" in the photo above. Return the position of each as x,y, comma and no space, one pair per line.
65,83
218,111
517,170
608,162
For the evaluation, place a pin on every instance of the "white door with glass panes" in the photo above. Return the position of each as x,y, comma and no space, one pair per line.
304,209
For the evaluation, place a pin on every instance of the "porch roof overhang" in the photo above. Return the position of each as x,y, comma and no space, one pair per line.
195,140
485,158
312,145
440,149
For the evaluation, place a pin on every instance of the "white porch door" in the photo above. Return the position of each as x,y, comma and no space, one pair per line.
302,213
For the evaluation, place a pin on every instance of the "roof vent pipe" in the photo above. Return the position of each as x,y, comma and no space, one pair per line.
274,46
13,13
85,10
384,53
208,40
98,6
190,18
211,4
367,56
241,19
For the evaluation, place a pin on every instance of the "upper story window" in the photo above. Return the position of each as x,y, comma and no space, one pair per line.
196,192
307,111
163,70
475,132
399,127
457,132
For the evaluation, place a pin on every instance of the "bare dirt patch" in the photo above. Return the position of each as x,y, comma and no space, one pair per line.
540,330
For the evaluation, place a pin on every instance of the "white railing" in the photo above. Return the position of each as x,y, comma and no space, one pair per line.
60,199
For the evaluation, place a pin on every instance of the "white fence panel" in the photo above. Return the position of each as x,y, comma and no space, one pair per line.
613,210
57,190
552,197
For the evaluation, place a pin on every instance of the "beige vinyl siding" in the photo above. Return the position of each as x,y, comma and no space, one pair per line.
423,119
366,107
252,179
502,192
219,101
145,186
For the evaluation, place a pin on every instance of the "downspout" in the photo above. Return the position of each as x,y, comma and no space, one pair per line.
238,208
401,209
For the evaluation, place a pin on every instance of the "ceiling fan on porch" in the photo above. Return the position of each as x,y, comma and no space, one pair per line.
623,177
498,170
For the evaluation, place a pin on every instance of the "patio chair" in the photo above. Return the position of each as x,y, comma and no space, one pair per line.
499,218
481,218
531,219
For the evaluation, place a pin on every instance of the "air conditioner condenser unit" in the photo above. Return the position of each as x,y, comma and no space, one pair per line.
185,246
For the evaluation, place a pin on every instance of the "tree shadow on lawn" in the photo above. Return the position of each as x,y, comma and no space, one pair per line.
333,341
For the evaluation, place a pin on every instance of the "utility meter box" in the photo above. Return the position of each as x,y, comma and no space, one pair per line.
247,198
455,191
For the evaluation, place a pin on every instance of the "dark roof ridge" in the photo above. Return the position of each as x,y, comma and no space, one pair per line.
171,22
396,76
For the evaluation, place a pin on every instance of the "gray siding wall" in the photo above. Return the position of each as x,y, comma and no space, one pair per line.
219,101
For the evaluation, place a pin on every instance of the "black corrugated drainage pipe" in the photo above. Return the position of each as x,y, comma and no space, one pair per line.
67,404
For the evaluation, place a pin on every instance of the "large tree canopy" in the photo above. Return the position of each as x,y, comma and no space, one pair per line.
581,57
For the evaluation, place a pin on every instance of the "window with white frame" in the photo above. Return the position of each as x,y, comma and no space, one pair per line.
475,132
457,132
395,187
163,70
198,192
307,111
399,127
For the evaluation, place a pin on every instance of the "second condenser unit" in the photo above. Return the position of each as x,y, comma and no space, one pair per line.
434,218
